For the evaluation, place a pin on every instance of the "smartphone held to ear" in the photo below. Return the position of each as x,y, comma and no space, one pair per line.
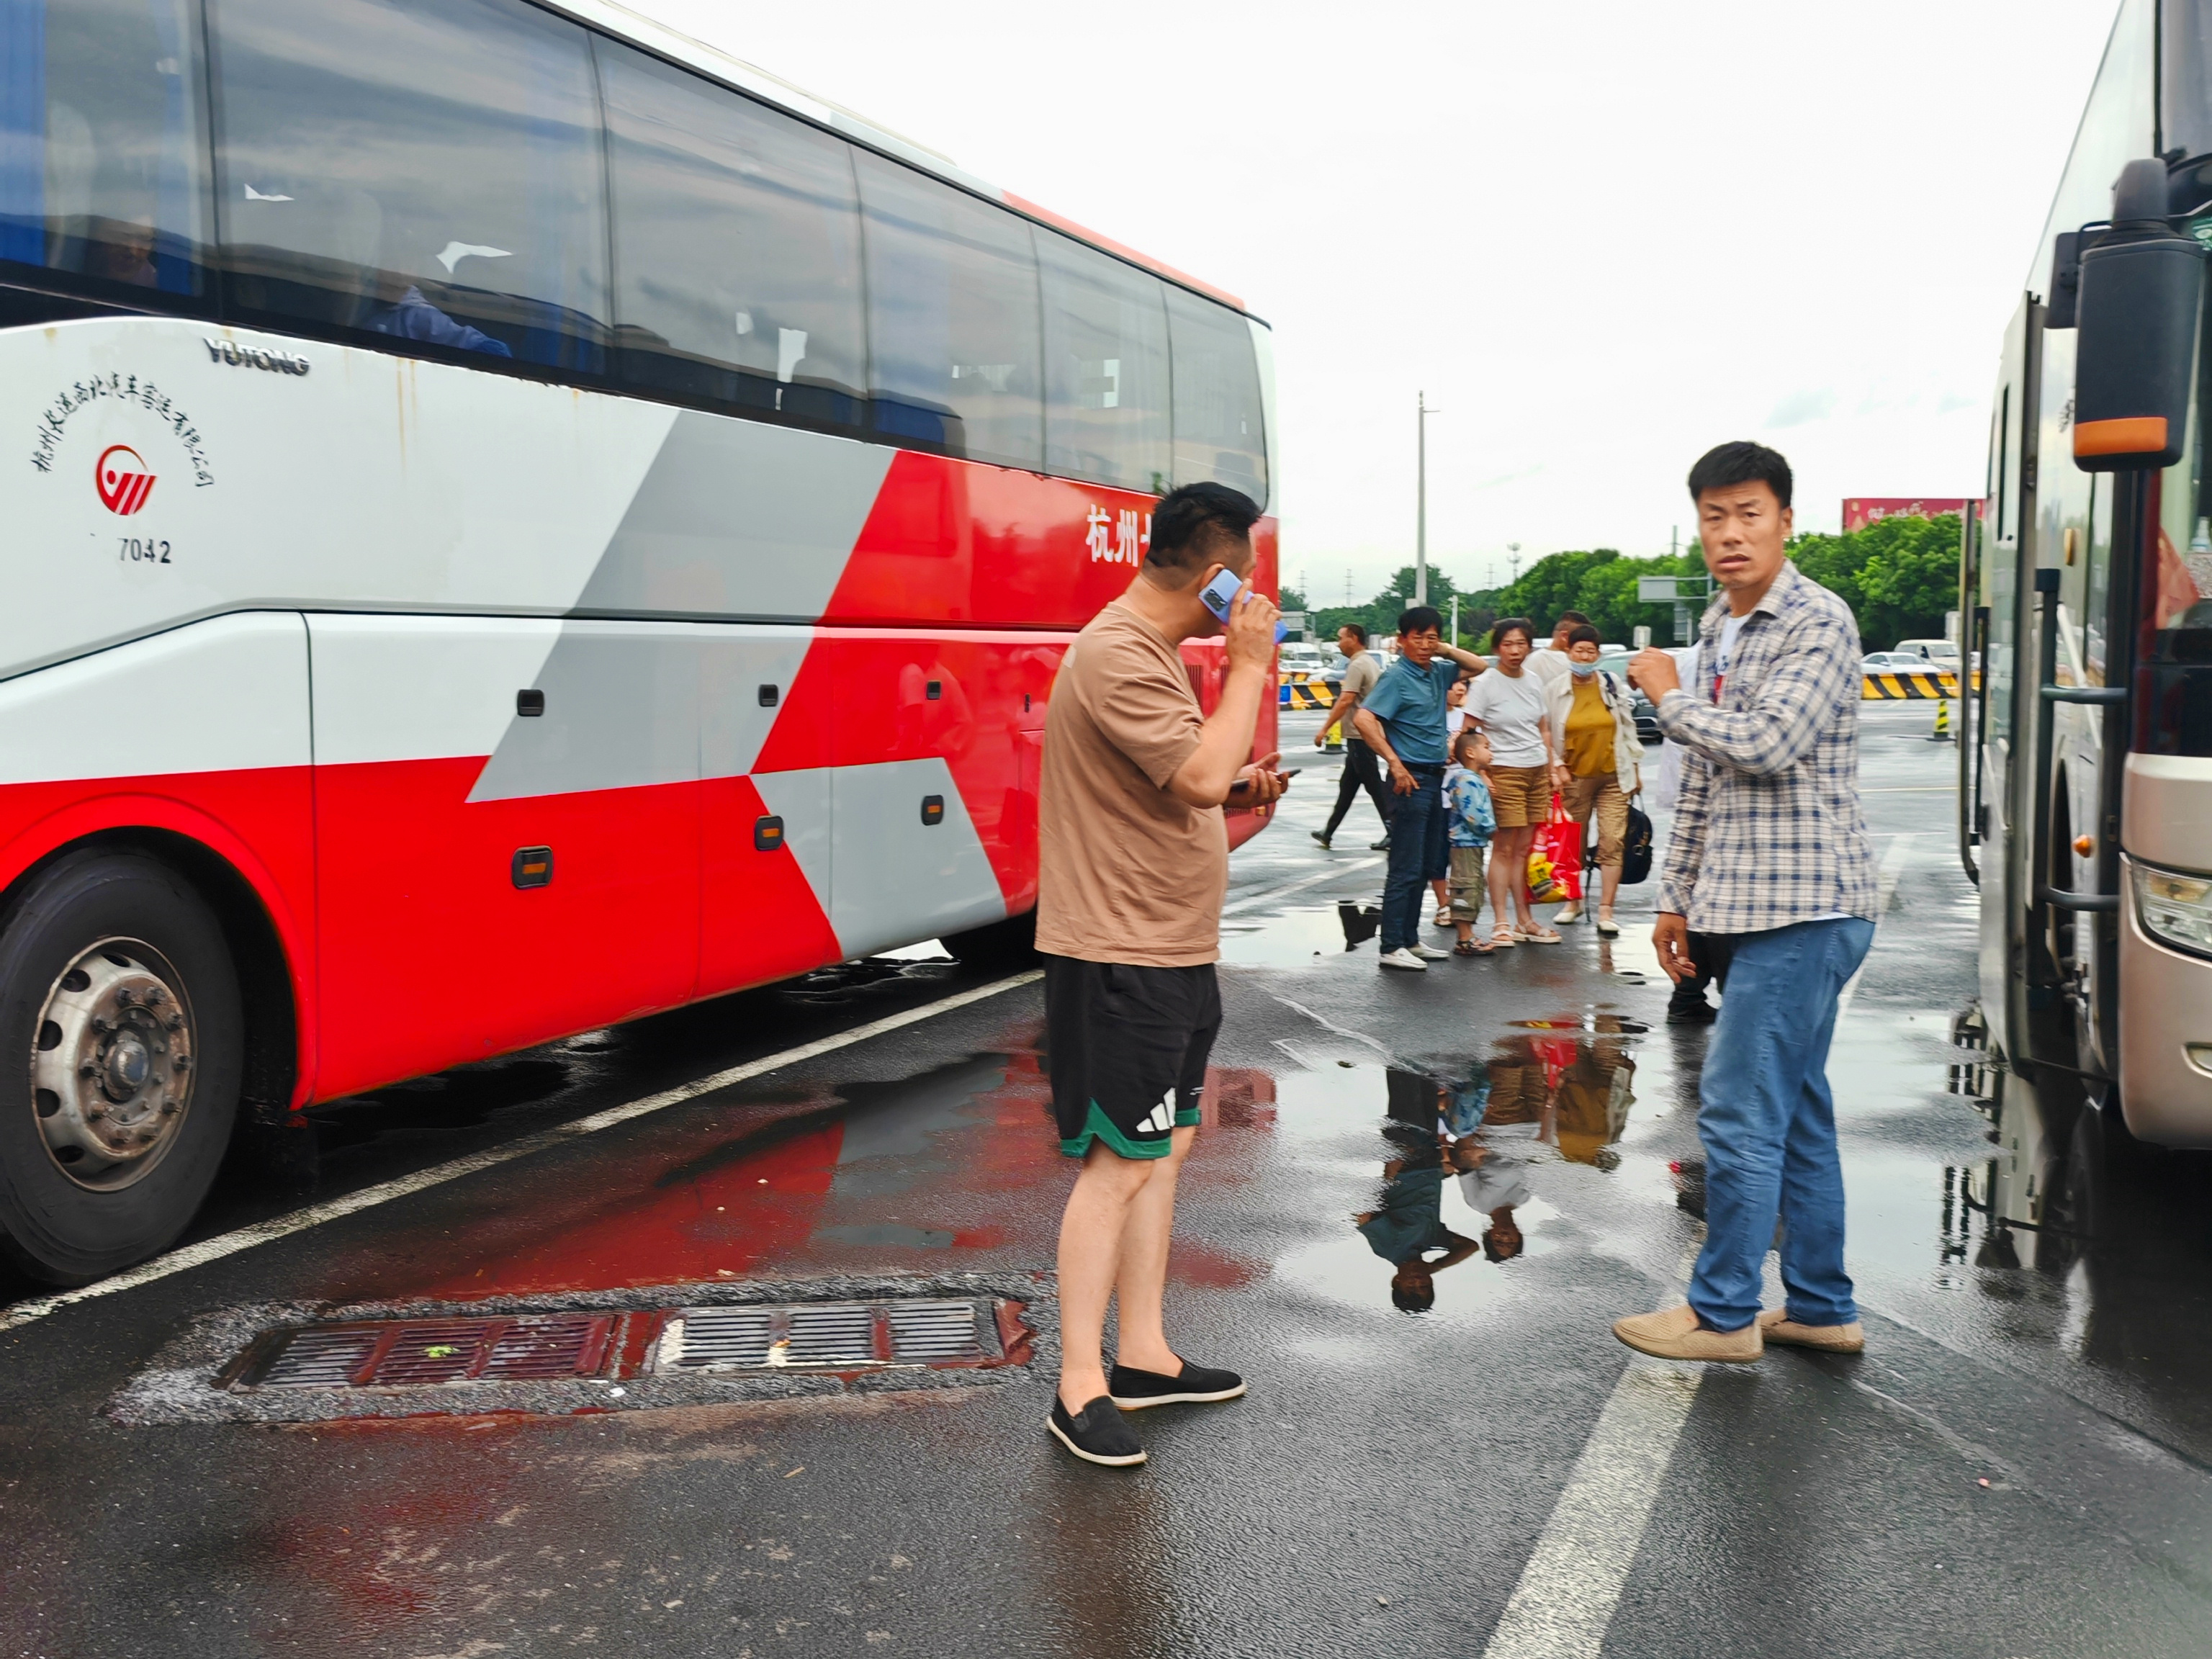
1217,593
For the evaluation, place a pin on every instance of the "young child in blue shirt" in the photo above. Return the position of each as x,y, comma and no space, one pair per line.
1471,818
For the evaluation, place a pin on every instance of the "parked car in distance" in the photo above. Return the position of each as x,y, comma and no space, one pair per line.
1893,662
1943,653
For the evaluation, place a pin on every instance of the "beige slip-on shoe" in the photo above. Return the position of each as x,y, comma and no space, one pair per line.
1775,1325
1674,1333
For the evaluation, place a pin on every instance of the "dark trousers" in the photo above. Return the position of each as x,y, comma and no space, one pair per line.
1420,853
1710,953
1361,771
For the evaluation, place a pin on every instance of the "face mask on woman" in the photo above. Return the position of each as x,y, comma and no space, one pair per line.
1583,670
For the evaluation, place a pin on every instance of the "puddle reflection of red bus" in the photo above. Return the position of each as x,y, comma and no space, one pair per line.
613,544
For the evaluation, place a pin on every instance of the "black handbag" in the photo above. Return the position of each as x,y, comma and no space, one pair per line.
1636,850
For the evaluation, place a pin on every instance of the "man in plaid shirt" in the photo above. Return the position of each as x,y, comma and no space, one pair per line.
1769,849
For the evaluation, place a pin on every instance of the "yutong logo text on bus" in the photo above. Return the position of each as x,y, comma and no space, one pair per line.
122,479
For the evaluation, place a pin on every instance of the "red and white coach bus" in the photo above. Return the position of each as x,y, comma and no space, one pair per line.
513,521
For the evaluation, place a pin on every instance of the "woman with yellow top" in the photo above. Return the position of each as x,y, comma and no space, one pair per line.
1594,733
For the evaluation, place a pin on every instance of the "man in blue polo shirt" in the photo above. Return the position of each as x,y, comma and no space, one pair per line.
1402,720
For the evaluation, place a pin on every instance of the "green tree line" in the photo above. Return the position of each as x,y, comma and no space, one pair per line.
1899,577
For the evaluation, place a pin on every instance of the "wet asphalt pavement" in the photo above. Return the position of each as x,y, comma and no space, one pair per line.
2020,1465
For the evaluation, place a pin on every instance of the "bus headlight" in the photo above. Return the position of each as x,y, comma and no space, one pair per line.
2175,910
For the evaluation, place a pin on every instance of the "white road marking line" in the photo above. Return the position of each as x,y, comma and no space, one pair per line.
1329,874
1569,1589
1572,1582
263,1233
1884,889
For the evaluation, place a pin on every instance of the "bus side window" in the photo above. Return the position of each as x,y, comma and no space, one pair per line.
1219,424
103,181
739,239
1106,367
427,171
953,319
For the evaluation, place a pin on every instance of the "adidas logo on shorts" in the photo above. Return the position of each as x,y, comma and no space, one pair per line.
1161,1119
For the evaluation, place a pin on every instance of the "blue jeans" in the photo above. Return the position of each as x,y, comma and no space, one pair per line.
1420,853
1769,1126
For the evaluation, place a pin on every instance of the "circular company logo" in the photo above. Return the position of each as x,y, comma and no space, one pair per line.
122,479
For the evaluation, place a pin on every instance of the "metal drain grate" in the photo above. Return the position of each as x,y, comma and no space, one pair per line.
426,1353
831,1335
923,1332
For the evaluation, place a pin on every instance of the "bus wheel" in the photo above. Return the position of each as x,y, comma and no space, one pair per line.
118,992
1009,945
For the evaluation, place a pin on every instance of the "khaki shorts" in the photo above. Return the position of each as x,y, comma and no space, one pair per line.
1600,795
1467,868
1521,794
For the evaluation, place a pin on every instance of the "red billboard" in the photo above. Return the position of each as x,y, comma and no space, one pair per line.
1860,511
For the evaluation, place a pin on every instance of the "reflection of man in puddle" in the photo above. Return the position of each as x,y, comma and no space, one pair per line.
1408,1221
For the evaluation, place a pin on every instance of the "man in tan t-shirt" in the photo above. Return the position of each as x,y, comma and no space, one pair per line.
1133,862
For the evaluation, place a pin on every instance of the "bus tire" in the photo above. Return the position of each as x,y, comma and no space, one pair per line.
116,983
1009,945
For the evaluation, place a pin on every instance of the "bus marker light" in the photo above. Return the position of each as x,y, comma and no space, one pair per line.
932,809
768,834
530,704
767,696
533,866
2132,435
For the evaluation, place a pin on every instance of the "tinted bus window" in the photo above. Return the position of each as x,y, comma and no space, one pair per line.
736,246
1218,419
953,319
1106,367
424,170
103,182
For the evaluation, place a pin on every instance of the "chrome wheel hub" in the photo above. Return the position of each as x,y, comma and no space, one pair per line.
112,1064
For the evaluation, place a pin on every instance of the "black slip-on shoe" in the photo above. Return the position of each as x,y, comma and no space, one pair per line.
1197,1385
1322,839
1096,1434
1699,1012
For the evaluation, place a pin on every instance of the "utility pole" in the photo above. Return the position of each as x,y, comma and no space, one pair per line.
1512,562
1454,632
1421,497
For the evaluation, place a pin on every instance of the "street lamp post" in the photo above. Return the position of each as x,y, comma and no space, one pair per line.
1421,497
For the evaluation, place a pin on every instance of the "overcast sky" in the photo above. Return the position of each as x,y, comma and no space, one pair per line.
1601,237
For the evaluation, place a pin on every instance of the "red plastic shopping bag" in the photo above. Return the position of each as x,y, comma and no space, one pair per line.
1555,859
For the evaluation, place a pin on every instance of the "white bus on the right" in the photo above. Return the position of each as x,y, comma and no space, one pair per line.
2086,593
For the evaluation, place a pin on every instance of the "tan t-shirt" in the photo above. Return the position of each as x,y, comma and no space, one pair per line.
1125,872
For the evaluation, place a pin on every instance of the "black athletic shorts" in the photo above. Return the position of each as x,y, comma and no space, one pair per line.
1126,1047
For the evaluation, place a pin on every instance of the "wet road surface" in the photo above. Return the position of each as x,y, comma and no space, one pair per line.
1416,1206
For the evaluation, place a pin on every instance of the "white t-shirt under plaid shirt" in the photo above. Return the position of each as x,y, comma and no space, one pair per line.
1769,831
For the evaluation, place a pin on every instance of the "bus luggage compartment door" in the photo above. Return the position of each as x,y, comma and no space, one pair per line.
433,774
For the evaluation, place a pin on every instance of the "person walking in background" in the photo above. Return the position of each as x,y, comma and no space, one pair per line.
1508,706
1133,862
1361,770
1770,786
1601,761
1549,660
1471,822
1686,1003
1403,721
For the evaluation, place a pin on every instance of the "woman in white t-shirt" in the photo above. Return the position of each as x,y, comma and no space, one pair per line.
1508,703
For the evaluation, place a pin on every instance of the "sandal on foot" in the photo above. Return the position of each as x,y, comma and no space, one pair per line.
1542,936
1468,947
1501,938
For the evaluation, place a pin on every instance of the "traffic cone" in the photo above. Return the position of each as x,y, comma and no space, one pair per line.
1942,731
1336,744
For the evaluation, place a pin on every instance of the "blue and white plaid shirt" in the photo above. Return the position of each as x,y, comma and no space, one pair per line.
1768,831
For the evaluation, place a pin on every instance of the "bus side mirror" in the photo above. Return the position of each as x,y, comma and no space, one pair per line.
2141,287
